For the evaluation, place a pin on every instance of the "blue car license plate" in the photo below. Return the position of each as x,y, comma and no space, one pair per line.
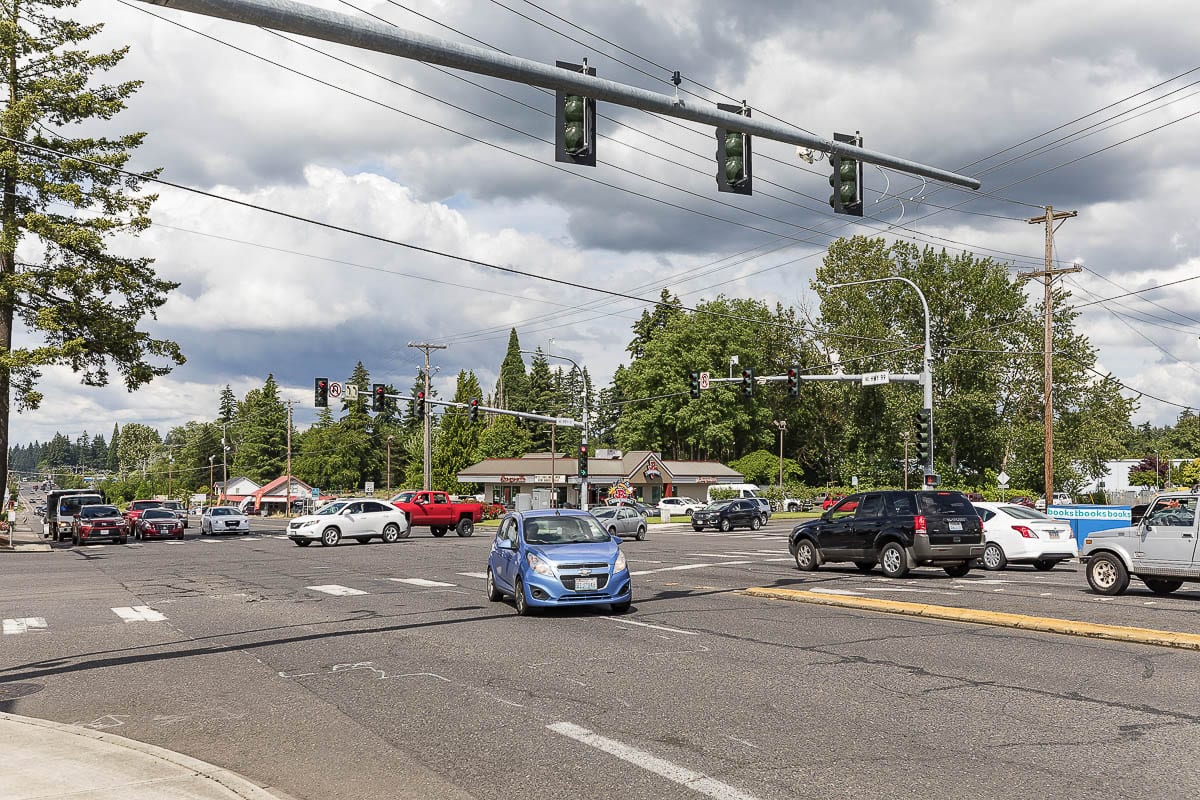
585,584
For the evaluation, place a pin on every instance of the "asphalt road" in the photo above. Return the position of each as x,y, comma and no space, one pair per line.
397,678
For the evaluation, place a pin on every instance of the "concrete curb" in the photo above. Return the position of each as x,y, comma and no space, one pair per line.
234,783
1090,630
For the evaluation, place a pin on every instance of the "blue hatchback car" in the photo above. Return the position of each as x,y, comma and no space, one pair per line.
558,558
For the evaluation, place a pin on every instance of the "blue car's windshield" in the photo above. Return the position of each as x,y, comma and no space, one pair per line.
564,530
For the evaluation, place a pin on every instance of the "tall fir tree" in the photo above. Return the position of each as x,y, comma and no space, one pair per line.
457,439
512,385
543,399
261,451
114,459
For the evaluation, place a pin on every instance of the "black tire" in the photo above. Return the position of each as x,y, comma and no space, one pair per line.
404,534
330,537
1044,564
363,540
957,570
493,594
123,540
993,557
465,528
612,531
391,533
1162,585
725,526
893,560
519,599
865,566
1106,574
641,533
807,557
621,608
755,524
437,530
302,542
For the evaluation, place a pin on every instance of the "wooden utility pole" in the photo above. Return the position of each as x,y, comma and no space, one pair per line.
287,491
428,478
1047,275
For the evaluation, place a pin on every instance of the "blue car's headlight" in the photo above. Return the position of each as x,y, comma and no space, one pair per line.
539,566
621,564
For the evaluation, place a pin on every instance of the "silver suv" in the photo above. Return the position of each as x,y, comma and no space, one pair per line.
1160,550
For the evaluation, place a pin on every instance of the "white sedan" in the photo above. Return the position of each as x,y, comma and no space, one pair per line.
362,519
222,519
1021,535
680,506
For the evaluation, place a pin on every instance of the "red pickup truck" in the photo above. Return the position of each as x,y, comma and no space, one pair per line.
434,510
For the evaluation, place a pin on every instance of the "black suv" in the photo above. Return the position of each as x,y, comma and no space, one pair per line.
729,514
896,530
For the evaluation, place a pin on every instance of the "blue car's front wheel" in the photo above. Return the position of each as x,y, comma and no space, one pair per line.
622,608
519,598
493,593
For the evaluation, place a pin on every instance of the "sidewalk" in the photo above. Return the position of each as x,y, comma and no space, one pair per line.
25,537
44,759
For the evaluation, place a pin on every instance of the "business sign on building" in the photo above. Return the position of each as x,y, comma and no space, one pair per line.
512,478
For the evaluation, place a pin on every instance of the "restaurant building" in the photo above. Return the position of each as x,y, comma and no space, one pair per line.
641,474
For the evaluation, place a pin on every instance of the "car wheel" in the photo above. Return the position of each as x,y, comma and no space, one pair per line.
1107,575
755,524
612,531
302,542
391,533
519,599
807,558
957,570
330,537
893,561
465,528
725,526
493,593
123,540
363,540
641,534
621,608
1162,585
994,558
1044,564
865,566
437,530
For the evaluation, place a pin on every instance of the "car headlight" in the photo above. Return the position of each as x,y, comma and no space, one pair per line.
539,566
309,524
621,564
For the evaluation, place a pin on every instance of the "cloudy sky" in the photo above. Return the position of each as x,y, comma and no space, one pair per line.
1081,105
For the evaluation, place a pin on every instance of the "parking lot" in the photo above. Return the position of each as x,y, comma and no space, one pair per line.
382,670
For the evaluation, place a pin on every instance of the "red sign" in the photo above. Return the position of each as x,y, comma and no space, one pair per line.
512,478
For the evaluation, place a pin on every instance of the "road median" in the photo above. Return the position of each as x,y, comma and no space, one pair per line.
1090,630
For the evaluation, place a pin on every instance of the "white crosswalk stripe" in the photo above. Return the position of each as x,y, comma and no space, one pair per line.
421,582
139,614
336,591
481,575
23,624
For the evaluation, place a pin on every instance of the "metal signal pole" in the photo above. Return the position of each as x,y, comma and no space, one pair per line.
428,454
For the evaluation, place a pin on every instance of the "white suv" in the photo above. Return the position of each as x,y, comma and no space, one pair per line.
683,506
360,518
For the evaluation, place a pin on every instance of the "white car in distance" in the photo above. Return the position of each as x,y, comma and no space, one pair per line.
1022,535
679,506
358,518
221,520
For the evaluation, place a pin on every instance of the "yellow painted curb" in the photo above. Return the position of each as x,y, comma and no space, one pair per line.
1091,630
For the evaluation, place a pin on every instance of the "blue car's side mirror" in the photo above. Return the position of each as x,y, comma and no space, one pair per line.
504,544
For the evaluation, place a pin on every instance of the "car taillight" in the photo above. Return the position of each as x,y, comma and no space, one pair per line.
918,524
1025,532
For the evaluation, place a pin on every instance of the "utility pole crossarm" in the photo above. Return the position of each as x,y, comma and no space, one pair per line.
332,26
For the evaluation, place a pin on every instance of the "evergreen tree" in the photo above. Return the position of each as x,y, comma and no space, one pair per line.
457,439
114,459
503,438
261,451
227,406
80,302
543,399
512,386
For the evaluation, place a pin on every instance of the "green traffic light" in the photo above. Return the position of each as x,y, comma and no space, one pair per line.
574,110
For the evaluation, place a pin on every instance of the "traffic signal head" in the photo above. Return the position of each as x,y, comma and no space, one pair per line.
575,123
932,480
846,180
694,384
733,156
923,424
420,404
747,383
473,410
378,397
321,393
583,460
793,381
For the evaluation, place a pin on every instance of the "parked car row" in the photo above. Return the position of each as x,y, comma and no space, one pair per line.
99,522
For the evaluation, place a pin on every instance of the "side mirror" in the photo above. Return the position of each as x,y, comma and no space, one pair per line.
504,544
345,512
615,538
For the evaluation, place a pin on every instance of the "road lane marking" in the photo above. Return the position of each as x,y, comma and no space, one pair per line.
627,621
139,614
682,567
209,541
696,781
23,624
481,575
422,582
335,590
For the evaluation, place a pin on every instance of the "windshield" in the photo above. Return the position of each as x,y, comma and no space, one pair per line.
171,504
73,503
605,513
331,509
142,505
717,505
564,530
223,512
94,512
403,497
935,503
1022,512
158,513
